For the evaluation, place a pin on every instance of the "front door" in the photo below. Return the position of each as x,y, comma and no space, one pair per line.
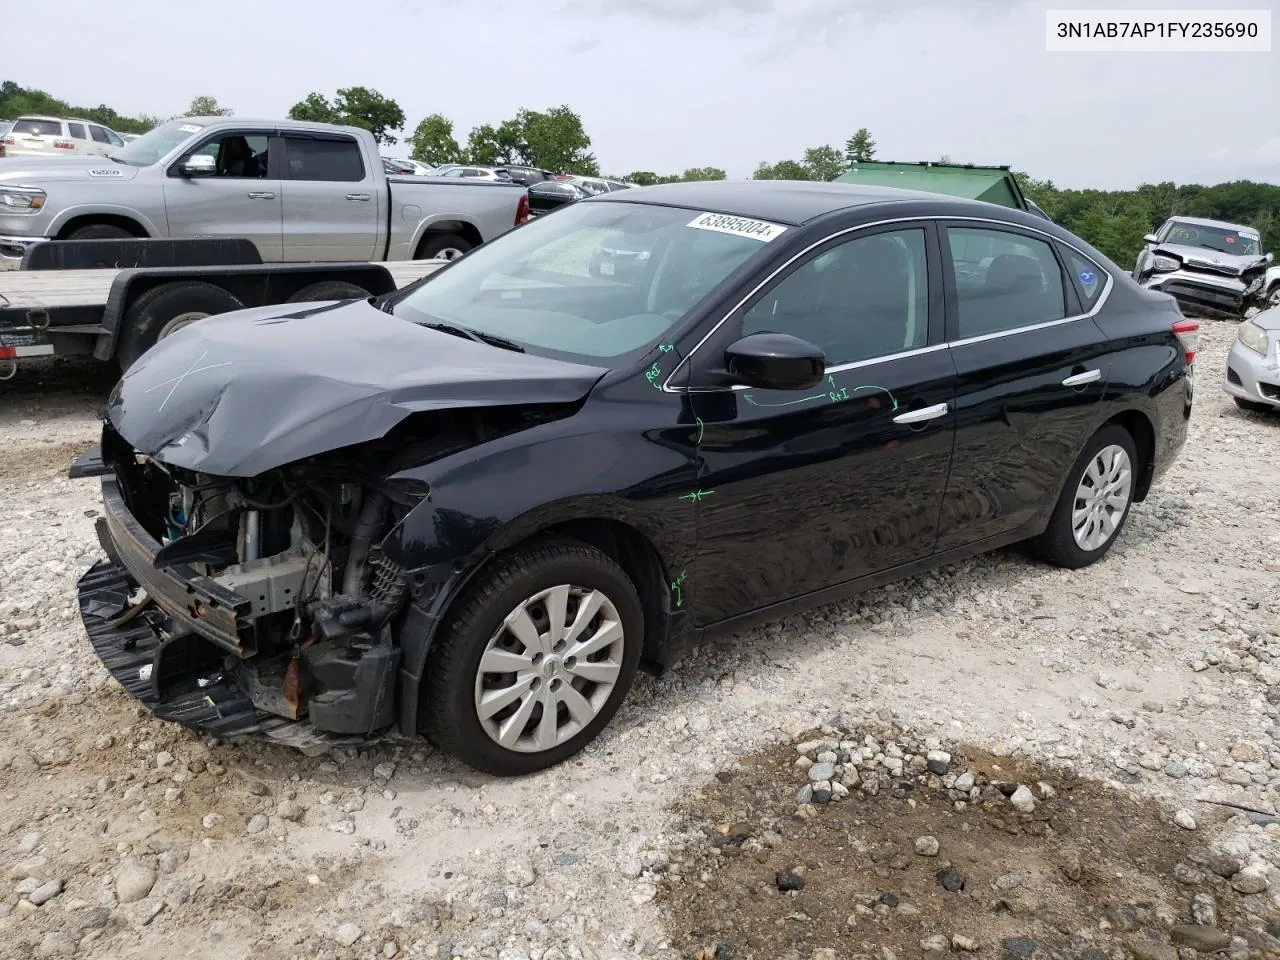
333,205
1032,366
801,490
237,198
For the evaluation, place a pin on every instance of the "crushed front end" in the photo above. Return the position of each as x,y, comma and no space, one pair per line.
245,605
1207,286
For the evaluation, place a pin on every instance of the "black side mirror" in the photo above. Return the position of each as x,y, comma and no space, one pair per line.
775,361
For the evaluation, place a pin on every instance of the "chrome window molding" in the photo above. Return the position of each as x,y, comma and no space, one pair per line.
946,345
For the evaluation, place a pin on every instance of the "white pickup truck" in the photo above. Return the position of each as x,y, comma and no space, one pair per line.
298,191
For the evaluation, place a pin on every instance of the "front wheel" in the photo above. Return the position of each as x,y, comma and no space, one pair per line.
536,662
1095,502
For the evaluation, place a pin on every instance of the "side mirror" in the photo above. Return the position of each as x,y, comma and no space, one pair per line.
1150,238
775,361
198,165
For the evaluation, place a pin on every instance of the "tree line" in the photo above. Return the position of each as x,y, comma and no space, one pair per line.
1114,221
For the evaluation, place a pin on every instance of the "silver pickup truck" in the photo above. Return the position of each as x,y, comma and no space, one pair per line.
298,191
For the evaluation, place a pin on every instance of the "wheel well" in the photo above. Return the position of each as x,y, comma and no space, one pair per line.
463,229
1144,440
104,219
641,562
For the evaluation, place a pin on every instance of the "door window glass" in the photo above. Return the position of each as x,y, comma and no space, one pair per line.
1003,281
237,155
334,161
864,298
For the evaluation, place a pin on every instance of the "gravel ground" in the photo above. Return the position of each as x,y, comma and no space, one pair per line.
1156,672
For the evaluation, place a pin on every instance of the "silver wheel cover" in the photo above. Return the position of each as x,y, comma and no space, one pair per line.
1102,497
549,668
180,321
449,253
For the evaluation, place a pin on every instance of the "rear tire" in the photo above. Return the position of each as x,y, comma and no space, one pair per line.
443,246
533,587
99,231
159,312
330,290
1095,502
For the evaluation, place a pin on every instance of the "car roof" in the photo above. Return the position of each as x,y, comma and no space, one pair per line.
782,201
1203,222
40,117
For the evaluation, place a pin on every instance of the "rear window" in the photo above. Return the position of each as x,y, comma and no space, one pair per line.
331,160
76,130
46,128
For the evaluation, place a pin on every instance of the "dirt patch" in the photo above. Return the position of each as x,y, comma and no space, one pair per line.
981,855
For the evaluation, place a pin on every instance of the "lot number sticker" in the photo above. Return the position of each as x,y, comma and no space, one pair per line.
760,230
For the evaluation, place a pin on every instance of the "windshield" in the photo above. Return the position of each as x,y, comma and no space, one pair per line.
156,143
1214,238
598,280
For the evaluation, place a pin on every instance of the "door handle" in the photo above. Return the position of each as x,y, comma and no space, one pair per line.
261,195
1080,379
357,196
923,415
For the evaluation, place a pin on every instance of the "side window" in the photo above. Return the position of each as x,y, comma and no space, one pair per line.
99,135
864,298
333,161
113,139
76,131
1003,281
237,155
1088,277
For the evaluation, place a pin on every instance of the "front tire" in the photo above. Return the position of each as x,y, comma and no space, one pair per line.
1095,502
537,660
100,231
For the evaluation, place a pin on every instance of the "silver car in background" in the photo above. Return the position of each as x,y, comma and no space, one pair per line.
59,137
1253,363
1212,268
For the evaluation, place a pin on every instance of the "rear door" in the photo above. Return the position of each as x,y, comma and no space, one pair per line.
240,197
332,200
1032,370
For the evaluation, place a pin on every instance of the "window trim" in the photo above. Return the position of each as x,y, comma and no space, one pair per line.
935,220
1070,300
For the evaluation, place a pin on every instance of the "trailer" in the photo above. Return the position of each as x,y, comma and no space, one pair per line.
112,300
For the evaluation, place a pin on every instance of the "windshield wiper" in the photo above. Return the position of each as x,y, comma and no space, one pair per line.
467,333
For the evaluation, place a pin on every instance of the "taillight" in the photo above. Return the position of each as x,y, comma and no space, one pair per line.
522,209
8,141
1187,332
63,145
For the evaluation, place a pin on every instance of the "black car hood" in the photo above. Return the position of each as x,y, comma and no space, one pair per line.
238,394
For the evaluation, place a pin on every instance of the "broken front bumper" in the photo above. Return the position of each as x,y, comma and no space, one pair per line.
1207,294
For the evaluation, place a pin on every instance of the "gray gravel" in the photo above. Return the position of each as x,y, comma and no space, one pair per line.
1158,669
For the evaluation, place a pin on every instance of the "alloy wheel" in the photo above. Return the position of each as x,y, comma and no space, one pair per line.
549,668
180,321
1102,497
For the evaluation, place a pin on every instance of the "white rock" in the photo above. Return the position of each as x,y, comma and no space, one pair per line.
1022,800
347,934
1185,820
134,881
927,846
1252,879
520,872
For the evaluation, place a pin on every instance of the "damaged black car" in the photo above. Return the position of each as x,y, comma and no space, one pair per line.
473,509
1212,268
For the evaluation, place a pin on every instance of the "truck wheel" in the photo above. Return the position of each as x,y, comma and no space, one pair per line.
536,660
172,306
443,246
330,290
99,231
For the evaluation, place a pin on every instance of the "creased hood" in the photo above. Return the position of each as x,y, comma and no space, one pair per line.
37,171
240,393
1210,259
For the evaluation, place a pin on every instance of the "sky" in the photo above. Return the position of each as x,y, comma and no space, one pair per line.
664,85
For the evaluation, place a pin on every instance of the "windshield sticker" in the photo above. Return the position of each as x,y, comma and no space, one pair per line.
1229,239
105,172
760,230
190,128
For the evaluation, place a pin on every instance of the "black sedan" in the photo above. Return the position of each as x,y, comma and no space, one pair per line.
473,509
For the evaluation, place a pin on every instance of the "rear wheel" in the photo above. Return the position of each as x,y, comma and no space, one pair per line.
1095,502
330,290
443,246
160,312
538,659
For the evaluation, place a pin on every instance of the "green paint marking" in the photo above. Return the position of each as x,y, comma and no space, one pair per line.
701,429
677,589
666,347
835,394
697,495
790,403
652,375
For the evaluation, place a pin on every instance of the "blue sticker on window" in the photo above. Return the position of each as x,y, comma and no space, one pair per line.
1088,277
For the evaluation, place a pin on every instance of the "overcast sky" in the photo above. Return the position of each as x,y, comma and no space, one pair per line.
667,84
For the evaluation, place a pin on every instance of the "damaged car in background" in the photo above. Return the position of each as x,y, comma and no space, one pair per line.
1210,267
473,508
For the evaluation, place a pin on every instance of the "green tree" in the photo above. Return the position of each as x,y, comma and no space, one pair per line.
782,170
17,100
642,178
353,107
207,107
824,163
703,173
860,146
483,146
555,139
432,141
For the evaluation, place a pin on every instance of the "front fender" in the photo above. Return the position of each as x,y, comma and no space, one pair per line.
67,214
